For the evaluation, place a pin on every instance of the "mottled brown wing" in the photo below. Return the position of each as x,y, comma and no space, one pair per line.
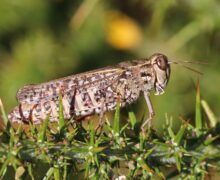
100,79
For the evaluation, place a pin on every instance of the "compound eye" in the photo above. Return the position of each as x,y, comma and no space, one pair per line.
162,62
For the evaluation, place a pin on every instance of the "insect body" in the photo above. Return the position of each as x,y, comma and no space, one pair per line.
93,92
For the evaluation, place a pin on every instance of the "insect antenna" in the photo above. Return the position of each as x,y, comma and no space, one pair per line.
189,62
193,62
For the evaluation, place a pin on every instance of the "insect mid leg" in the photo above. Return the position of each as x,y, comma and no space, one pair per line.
101,115
148,121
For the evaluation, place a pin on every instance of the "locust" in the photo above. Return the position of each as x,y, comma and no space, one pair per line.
94,92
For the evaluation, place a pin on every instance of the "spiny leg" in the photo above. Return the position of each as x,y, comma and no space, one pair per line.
148,121
29,119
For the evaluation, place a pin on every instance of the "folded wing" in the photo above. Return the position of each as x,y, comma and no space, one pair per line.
100,79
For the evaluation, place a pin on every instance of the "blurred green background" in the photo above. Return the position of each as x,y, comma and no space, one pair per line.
47,39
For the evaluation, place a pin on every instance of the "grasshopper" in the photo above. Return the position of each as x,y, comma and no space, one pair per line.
94,92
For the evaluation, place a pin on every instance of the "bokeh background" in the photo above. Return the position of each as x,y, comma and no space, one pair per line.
47,39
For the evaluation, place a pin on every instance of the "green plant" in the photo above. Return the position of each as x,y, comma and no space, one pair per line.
70,150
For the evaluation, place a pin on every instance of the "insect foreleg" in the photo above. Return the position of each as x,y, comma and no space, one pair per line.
151,112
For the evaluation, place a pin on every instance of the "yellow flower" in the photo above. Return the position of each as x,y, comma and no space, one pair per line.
122,32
